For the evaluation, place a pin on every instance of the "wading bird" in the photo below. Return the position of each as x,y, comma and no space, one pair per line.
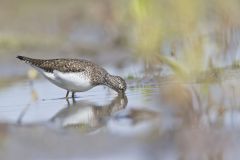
76,75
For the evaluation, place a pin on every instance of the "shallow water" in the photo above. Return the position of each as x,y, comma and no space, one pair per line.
155,119
41,101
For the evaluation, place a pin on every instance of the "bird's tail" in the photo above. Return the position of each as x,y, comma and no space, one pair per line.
25,59
31,61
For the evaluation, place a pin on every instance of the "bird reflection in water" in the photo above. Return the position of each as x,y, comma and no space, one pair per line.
87,116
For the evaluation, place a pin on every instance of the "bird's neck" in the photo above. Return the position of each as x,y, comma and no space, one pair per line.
110,81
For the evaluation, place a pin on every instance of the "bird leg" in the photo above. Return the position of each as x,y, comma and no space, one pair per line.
67,94
73,95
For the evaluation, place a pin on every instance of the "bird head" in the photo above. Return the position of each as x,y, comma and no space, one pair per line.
117,83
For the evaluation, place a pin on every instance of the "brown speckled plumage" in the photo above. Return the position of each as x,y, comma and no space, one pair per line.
63,65
96,74
94,71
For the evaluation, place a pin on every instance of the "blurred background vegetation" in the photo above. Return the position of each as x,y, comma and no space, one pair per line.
160,37
184,36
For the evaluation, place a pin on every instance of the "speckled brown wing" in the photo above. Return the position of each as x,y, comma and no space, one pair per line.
62,65
93,71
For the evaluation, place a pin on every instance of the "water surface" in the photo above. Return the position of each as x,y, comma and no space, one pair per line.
172,120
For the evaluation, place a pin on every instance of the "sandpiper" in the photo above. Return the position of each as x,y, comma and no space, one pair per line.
76,75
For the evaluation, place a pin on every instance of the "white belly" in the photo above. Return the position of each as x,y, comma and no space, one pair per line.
75,81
